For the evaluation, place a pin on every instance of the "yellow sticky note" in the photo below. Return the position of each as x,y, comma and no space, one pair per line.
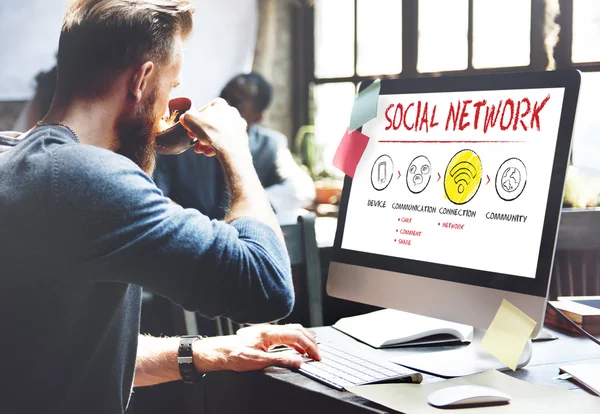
508,333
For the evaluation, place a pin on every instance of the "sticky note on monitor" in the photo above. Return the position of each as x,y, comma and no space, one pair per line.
508,333
348,154
365,105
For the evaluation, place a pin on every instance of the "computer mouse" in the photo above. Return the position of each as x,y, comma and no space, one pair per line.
465,395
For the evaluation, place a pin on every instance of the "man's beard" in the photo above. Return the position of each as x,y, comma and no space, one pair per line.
137,134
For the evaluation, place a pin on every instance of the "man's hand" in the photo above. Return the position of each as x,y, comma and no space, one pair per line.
219,128
249,349
221,131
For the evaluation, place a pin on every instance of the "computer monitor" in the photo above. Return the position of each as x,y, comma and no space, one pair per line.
456,201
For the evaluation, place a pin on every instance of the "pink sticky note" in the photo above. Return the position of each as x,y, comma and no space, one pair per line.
351,148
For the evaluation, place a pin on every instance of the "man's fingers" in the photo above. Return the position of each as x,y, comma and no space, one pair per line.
306,332
218,101
298,349
254,359
192,122
282,359
299,342
207,150
310,347
204,146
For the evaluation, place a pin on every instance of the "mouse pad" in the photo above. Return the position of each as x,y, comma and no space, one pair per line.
526,397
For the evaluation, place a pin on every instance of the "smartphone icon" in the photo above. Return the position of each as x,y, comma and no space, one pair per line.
382,172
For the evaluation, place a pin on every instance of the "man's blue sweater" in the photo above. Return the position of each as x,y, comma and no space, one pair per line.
82,229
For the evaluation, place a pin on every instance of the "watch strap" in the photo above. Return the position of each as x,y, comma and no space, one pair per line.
185,359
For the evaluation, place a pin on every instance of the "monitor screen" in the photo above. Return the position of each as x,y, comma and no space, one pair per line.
462,180
457,178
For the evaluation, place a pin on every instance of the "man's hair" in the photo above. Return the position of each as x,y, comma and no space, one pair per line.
101,38
252,86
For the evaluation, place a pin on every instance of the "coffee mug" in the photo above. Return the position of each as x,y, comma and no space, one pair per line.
175,139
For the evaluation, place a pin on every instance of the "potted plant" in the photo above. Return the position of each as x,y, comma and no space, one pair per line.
328,180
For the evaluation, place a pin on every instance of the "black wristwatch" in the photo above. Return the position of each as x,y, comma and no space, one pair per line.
185,359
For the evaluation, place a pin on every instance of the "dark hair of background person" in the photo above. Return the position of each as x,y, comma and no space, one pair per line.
92,49
248,86
44,91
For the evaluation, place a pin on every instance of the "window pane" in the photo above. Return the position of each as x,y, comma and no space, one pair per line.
443,28
334,38
586,31
379,37
332,107
501,33
586,140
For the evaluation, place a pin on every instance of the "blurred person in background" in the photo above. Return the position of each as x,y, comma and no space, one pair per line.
38,106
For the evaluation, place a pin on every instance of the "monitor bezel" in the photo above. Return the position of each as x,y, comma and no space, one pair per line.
538,286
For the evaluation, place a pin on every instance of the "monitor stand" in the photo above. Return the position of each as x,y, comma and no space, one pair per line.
465,360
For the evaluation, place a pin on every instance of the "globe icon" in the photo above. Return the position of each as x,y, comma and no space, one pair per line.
511,178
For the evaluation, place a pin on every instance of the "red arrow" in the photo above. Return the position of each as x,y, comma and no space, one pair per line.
488,177
439,176
398,175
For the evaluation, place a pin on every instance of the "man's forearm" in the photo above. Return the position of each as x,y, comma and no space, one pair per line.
248,198
156,361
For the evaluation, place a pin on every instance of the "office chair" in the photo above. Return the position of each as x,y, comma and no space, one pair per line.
301,243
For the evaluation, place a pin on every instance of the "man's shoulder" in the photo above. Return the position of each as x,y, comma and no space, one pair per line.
94,167
8,140
273,136
97,182
90,157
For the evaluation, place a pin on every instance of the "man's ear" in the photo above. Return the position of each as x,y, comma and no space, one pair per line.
139,80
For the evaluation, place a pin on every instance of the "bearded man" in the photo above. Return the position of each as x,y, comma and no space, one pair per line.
84,228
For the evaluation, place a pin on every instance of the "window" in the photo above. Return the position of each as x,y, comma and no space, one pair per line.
443,30
586,31
586,133
582,31
332,108
379,37
334,38
355,40
501,33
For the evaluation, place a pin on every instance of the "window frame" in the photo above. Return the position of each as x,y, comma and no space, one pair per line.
303,27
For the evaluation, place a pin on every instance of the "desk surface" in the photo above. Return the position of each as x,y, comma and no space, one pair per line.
283,391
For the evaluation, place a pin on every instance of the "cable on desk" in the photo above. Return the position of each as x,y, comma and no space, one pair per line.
574,325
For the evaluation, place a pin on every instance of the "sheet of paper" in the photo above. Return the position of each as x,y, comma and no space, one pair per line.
507,334
526,397
350,151
365,105
588,374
